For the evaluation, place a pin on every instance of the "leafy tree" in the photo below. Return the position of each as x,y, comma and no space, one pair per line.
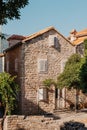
70,76
83,72
10,9
8,91
85,43
49,82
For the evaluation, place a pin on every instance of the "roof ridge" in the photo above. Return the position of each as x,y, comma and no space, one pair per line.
38,33
42,32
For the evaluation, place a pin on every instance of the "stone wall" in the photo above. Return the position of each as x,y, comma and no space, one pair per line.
30,123
71,99
20,122
29,78
38,48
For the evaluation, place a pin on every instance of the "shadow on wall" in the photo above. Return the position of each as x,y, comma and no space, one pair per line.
71,125
34,109
29,108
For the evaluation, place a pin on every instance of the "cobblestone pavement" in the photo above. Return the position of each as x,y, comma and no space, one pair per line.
72,116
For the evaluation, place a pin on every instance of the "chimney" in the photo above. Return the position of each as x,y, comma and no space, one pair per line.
73,35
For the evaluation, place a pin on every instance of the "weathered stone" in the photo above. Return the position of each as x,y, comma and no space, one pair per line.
31,80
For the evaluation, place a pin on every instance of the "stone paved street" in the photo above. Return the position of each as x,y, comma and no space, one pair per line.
69,116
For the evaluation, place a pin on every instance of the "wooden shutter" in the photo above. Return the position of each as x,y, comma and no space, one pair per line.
42,94
42,65
57,45
51,40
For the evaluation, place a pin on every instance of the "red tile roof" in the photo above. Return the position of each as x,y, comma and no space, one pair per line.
42,32
82,32
80,37
16,37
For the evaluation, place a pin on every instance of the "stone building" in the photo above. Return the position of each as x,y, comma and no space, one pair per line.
77,39
33,59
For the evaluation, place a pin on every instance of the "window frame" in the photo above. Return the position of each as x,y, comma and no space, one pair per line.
42,94
42,65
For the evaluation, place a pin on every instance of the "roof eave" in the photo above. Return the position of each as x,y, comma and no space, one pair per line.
38,34
12,47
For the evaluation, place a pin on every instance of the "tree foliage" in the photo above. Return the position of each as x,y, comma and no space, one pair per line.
70,76
10,9
85,43
74,74
8,91
83,72
49,82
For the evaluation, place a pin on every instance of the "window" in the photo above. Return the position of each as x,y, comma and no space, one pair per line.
16,64
42,94
52,40
56,43
42,65
61,93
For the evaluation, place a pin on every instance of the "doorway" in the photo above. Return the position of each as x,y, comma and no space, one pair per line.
60,98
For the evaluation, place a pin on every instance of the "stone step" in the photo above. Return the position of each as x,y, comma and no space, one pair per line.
61,110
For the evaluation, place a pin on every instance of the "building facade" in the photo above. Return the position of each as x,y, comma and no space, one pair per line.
33,59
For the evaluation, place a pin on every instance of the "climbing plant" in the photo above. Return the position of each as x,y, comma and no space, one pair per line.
8,92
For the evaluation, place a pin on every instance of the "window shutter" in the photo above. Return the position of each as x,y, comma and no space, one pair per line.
51,40
42,94
42,65
57,44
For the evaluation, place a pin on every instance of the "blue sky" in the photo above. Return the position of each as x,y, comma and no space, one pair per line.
64,15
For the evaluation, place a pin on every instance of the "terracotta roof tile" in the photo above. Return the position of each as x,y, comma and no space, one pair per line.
16,37
82,32
79,40
26,38
42,32
38,33
80,37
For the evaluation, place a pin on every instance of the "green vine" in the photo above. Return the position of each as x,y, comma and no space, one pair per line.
48,82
